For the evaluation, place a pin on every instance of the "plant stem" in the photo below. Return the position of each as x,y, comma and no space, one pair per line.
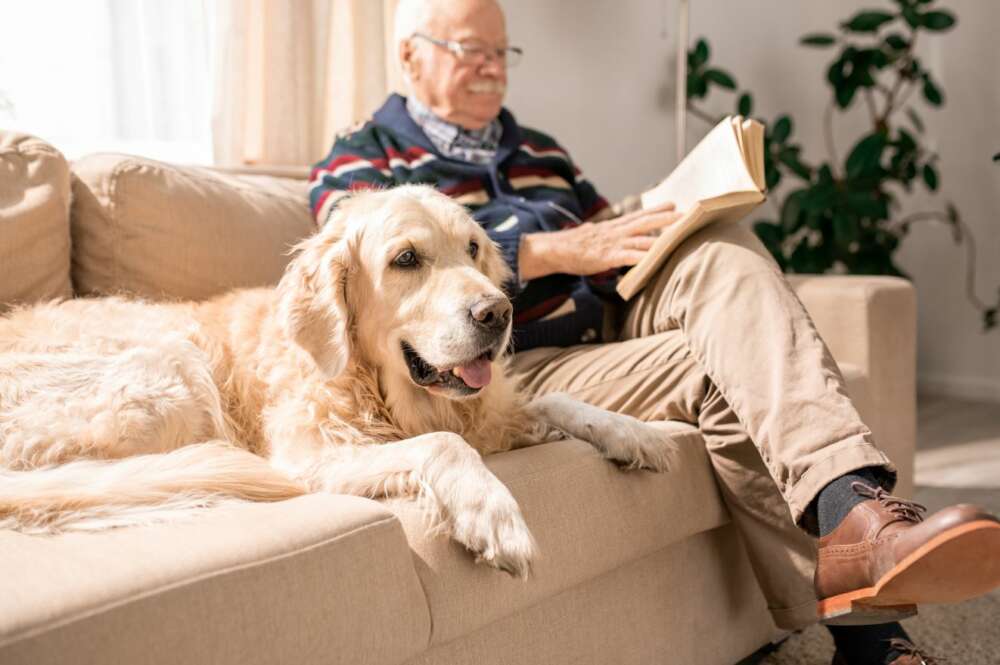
870,102
903,64
967,239
828,135
701,115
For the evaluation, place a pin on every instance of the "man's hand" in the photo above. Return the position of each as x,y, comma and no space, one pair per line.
592,248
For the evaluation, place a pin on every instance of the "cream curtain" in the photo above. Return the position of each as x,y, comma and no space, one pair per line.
290,74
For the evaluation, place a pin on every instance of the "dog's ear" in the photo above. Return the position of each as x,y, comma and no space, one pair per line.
312,303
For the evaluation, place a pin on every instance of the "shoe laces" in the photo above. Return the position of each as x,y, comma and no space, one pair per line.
907,648
904,509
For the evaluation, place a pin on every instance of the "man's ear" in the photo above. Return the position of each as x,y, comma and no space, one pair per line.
406,55
312,303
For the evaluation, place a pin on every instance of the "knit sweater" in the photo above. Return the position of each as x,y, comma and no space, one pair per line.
530,186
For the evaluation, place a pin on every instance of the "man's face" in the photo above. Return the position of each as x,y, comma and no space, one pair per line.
468,94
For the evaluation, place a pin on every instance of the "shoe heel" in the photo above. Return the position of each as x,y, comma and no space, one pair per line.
854,613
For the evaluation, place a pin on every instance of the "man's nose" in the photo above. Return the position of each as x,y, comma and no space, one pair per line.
491,312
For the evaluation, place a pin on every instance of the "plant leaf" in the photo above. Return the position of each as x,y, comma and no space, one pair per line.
897,42
912,17
782,128
930,177
931,92
867,21
789,156
745,104
720,78
865,155
791,212
937,20
845,94
696,86
915,119
845,230
818,39
698,56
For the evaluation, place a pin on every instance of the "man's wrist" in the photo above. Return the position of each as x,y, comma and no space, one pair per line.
532,257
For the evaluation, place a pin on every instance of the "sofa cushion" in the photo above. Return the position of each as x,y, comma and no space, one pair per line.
588,518
169,232
34,221
320,578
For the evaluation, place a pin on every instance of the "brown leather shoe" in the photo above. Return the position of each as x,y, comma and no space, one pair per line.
909,654
885,558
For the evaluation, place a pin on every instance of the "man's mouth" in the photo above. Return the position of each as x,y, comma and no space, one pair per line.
465,378
487,87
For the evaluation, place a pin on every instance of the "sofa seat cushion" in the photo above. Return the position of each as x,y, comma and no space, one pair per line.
587,515
318,579
168,232
34,221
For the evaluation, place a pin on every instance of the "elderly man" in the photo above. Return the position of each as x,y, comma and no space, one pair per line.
717,338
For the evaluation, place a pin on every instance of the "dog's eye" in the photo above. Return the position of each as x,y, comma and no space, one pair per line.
473,248
407,259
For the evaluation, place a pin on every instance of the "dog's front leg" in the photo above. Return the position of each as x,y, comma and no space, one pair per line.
623,439
441,466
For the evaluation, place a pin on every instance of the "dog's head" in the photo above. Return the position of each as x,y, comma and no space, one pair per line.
403,280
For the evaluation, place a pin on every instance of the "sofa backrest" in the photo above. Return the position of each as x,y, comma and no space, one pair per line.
162,231
34,221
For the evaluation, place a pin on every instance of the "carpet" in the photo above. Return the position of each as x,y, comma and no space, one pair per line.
966,633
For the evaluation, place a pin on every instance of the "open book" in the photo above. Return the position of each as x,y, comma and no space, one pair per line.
722,179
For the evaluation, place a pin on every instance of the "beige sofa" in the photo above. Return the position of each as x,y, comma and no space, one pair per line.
635,568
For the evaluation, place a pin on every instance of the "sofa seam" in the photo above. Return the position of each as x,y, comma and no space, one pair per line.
90,612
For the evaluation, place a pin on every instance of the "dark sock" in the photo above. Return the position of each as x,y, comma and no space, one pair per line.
837,498
867,645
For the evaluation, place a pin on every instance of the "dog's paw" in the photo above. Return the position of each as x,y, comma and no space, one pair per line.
497,534
632,444
650,452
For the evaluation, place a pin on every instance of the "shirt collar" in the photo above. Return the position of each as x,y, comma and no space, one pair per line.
472,145
393,116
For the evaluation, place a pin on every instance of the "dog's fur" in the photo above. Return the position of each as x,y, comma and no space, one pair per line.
115,411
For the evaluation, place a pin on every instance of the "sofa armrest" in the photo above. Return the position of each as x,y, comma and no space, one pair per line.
871,323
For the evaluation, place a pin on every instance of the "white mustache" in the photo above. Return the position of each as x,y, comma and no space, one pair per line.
495,87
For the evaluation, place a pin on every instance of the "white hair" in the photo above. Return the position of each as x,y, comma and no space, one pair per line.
412,16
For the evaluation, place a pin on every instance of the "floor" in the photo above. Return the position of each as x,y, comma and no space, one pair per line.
958,443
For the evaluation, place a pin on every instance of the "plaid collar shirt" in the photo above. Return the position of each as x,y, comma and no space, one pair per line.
477,146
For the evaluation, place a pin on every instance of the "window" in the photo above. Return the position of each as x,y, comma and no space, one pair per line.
130,76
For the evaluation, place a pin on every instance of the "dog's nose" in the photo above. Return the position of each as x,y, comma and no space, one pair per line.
491,312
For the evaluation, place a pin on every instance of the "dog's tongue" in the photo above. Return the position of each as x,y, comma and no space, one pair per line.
475,374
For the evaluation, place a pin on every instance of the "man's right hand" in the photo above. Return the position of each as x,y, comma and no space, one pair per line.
591,248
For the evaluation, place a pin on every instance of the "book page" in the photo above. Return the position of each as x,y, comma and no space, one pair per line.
753,134
715,166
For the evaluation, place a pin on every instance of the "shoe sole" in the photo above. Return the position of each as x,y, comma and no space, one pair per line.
951,567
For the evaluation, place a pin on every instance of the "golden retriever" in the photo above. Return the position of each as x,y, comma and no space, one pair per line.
377,367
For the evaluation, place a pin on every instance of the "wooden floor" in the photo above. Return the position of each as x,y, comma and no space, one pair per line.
958,443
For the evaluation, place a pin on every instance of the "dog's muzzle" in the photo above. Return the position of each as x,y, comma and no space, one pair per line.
466,378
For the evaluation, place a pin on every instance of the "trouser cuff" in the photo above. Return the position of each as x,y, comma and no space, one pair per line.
848,455
794,618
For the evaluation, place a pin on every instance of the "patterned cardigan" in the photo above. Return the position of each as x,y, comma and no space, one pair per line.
530,186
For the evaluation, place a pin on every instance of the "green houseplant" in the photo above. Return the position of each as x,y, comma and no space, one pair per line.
841,214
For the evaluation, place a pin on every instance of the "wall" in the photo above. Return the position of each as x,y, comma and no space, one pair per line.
598,74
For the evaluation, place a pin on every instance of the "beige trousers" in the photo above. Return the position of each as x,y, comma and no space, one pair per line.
718,339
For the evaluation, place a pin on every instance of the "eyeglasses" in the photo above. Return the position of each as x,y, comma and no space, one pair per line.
475,52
